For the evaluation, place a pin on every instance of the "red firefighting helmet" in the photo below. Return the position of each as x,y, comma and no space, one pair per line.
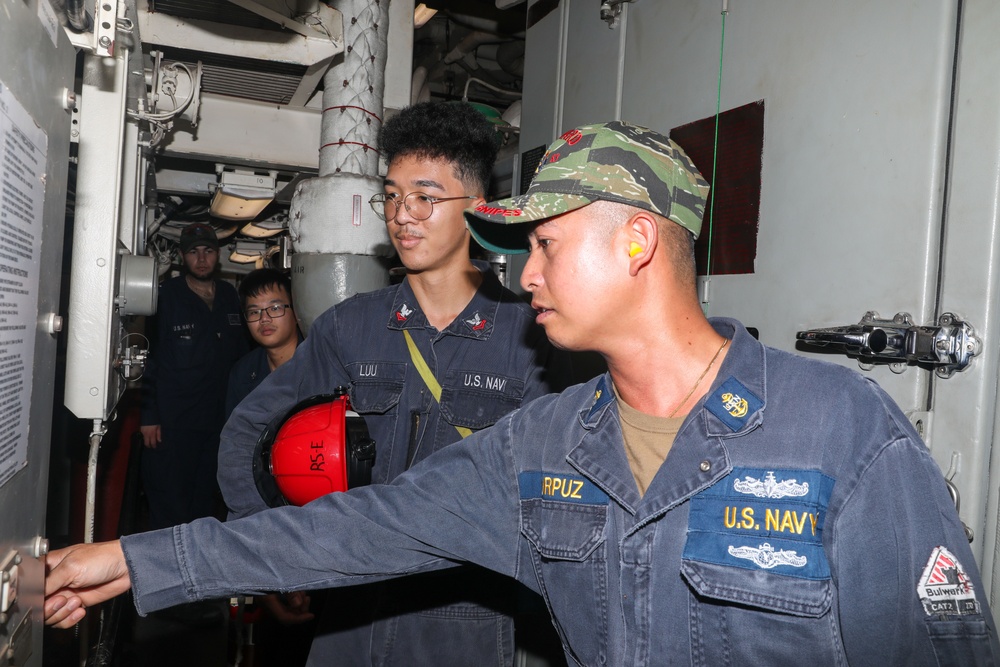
318,447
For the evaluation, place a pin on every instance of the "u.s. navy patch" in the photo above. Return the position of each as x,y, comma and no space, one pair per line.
762,519
733,403
561,487
945,588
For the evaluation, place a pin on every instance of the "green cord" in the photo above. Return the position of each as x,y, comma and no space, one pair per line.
715,148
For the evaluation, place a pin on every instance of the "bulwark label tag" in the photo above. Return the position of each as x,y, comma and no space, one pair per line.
945,588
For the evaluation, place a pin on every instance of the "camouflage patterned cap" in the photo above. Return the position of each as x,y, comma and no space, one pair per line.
617,162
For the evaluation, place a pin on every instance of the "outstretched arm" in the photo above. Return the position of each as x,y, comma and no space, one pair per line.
82,576
437,514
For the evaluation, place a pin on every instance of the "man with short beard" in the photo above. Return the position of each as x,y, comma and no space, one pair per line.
198,337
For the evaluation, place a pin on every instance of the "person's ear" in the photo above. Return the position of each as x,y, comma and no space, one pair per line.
641,238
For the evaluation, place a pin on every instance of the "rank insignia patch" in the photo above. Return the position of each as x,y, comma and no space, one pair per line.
403,313
477,323
733,403
945,588
602,396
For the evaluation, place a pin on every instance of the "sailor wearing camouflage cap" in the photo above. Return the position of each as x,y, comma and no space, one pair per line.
709,500
617,162
676,477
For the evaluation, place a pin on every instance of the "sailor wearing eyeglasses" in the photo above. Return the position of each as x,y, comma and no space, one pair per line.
266,296
283,635
451,315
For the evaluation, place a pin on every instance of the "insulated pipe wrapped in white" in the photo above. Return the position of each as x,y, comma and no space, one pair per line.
339,243
352,93
334,216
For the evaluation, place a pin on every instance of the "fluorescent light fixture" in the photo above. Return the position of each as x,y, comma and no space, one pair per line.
224,233
247,252
252,252
238,206
422,14
242,194
265,228
237,257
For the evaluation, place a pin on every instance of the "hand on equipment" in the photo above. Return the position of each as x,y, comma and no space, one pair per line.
82,576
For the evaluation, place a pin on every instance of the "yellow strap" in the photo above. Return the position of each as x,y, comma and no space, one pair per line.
428,376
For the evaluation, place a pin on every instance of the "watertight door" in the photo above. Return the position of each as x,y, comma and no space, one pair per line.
36,116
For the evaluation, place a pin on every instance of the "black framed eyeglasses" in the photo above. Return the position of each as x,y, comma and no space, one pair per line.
273,311
419,205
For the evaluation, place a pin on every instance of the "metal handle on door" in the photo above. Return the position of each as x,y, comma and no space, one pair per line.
949,346
957,499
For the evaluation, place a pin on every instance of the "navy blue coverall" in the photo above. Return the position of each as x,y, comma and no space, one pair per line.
184,391
490,360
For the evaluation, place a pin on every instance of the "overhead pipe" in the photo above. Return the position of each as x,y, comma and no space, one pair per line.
340,244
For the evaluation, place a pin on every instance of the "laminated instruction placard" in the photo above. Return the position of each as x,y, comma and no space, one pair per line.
23,149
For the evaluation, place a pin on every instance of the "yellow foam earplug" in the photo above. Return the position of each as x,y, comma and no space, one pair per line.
634,249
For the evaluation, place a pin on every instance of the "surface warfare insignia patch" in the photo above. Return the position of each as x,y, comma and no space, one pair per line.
560,487
762,519
403,313
945,588
770,487
733,403
766,557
